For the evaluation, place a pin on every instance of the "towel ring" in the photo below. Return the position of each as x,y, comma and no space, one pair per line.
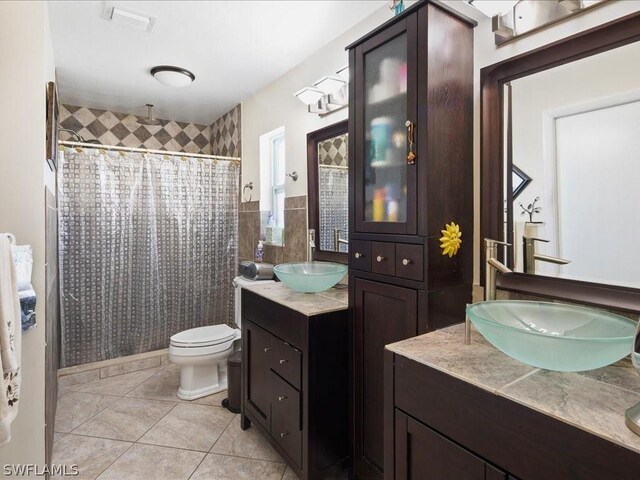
244,189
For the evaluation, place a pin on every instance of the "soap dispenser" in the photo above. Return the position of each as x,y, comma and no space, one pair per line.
259,257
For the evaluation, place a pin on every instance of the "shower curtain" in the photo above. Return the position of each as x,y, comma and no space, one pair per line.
148,248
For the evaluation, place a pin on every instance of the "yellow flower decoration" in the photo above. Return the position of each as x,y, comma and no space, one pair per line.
450,240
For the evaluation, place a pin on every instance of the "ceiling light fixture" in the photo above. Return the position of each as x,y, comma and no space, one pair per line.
172,76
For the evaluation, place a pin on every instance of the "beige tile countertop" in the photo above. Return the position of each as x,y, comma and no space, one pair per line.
309,304
594,401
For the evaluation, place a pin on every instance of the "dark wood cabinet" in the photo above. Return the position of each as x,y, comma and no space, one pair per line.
411,136
438,426
294,384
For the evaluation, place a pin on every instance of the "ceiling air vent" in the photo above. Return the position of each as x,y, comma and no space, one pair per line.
128,18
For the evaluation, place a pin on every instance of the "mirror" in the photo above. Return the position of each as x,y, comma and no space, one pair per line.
328,186
574,137
560,136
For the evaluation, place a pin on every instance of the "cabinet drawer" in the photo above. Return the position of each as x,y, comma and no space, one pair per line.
409,261
285,418
383,258
287,362
360,255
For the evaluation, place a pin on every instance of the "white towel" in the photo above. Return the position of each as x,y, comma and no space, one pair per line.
10,336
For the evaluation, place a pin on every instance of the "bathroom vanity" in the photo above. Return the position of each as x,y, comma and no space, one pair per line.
294,375
470,412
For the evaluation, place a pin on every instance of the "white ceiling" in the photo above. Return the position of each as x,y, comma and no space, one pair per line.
234,48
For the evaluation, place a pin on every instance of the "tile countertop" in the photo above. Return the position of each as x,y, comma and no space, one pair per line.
309,304
594,401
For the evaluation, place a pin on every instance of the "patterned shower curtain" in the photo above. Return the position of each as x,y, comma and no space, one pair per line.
148,248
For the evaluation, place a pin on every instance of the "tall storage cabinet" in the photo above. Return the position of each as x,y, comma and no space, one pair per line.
411,131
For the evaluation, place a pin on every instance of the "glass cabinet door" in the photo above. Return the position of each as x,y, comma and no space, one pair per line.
385,177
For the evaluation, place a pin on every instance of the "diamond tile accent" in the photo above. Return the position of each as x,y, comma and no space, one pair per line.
113,128
225,134
333,151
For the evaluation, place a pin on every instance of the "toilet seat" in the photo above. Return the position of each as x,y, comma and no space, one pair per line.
201,337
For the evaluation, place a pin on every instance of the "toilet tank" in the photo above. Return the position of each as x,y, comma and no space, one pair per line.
238,283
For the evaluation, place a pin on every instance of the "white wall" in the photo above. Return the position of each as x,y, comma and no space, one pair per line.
26,64
276,106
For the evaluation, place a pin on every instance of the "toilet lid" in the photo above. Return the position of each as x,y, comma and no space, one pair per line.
203,336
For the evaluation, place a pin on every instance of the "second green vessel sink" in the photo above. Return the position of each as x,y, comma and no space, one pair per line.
553,336
310,277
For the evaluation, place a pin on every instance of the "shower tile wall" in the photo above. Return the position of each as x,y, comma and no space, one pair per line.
295,232
226,139
112,128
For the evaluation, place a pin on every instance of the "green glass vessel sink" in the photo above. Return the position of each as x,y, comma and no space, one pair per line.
310,277
552,336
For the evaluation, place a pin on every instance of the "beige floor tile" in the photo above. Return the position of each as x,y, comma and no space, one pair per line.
194,427
119,385
75,408
91,455
126,419
248,443
162,386
214,400
221,467
150,462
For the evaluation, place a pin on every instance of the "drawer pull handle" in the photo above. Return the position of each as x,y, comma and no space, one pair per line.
267,350
282,397
284,434
379,258
359,255
282,362
406,262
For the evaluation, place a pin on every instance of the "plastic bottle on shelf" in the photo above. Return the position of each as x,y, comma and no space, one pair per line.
391,204
259,257
378,205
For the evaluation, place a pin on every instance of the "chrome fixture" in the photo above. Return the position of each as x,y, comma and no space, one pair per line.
79,137
632,415
172,76
247,186
150,121
530,255
493,265
511,19
311,244
293,176
337,240
327,95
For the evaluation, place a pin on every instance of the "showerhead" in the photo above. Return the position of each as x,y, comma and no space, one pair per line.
78,137
149,120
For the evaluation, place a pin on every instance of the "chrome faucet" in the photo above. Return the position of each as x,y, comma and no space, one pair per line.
493,266
337,240
530,255
311,244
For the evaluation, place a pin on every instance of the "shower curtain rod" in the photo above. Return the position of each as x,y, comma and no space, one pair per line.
145,150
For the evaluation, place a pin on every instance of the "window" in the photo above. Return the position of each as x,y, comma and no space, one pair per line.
272,186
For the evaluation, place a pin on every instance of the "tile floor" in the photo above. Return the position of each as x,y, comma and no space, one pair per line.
132,426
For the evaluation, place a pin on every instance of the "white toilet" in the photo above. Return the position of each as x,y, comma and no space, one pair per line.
202,353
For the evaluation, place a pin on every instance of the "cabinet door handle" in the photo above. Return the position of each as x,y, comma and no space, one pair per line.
282,362
411,156
406,261
284,434
267,350
282,397
358,255
379,258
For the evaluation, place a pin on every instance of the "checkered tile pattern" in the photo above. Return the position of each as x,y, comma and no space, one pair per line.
225,134
123,130
334,151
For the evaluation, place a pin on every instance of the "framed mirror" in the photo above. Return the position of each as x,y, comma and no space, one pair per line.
567,114
328,191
